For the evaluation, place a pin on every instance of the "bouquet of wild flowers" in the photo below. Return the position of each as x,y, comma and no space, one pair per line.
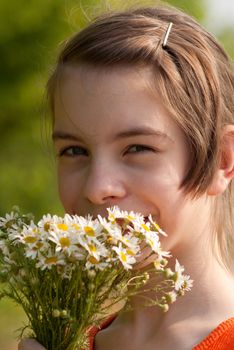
67,273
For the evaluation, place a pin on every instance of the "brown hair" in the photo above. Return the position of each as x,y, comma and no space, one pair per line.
194,77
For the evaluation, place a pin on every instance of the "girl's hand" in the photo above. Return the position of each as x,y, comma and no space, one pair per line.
145,258
30,344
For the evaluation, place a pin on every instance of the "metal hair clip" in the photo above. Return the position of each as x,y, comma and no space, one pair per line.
167,35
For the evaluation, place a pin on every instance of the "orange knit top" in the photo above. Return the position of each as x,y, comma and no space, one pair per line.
221,338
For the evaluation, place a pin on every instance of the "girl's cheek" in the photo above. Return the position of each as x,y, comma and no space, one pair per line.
68,188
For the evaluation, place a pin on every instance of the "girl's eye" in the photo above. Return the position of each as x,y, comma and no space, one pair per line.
139,149
73,151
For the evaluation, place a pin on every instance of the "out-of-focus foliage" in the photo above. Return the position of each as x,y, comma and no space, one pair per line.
29,33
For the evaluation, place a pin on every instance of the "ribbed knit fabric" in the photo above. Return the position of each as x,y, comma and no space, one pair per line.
221,338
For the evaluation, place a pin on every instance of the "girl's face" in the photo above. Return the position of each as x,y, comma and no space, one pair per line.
118,145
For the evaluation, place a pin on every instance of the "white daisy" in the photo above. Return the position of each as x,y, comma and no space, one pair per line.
32,250
182,282
46,262
28,235
115,213
131,243
64,240
96,250
93,263
112,233
171,296
61,225
87,230
46,223
188,283
9,219
126,259
152,240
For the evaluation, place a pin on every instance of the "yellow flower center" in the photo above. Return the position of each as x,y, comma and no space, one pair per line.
130,252
65,242
62,227
156,226
125,240
47,226
51,260
123,257
76,227
89,231
39,245
30,239
111,217
92,248
93,260
145,227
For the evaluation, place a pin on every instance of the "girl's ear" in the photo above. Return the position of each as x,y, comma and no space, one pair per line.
225,171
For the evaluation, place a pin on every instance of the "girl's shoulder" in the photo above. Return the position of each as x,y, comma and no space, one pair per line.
221,338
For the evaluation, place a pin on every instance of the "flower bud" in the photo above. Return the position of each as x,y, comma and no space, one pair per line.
64,314
160,264
164,262
164,307
146,276
171,297
56,313
91,274
91,286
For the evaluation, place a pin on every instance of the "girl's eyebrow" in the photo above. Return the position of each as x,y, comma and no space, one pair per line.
61,135
143,130
137,131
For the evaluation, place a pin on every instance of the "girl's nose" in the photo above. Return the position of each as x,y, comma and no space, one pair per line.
103,184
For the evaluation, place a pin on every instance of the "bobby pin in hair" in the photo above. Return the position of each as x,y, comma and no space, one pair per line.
164,44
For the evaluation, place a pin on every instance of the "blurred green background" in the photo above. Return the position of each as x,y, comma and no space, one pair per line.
30,34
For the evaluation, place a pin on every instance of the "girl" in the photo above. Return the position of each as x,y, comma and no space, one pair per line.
143,108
